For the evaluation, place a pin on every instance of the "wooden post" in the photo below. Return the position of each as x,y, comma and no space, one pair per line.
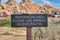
29,33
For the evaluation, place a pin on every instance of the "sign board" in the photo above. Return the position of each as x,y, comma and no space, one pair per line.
29,20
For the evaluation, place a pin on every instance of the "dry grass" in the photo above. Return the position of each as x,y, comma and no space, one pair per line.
52,32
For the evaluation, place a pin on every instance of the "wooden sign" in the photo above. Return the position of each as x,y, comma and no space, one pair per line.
29,20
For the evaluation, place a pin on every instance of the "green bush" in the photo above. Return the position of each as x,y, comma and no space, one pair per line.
5,22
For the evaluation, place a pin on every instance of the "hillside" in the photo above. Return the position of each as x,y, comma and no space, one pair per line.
52,9
25,6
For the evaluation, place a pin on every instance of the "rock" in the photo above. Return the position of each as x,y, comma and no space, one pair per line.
7,33
11,2
26,6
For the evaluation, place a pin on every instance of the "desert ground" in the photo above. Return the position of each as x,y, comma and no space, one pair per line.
52,32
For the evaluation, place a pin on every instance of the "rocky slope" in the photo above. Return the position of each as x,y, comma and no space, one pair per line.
52,9
25,6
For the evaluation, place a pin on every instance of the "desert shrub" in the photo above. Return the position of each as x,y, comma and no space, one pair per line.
52,32
4,22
